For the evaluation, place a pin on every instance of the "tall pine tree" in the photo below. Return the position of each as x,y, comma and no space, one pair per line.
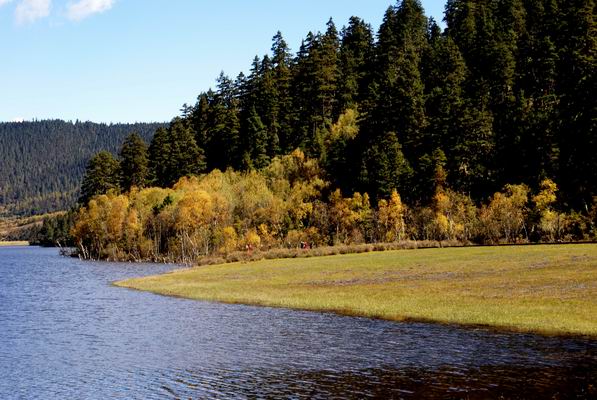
133,162
101,175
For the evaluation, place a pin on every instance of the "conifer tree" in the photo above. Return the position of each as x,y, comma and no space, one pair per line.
356,61
341,151
303,93
185,157
174,153
200,117
223,135
577,86
385,167
533,152
133,162
101,175
326,74
159,153
315,85
256,148
266,99
282,74
400,102
456,126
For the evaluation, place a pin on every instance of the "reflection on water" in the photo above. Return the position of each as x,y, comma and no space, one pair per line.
66,333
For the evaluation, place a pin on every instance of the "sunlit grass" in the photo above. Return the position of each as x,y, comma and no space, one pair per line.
548,289
17,243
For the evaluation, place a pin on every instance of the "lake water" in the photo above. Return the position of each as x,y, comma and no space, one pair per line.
66,333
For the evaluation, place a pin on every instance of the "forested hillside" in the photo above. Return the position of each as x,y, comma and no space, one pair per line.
42,162
483,132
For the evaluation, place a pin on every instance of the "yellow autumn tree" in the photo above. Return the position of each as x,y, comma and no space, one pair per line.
229,240
295,181
351,217
391,218
455,215
192,222
252,240
503,219
99,230
552,224
346,127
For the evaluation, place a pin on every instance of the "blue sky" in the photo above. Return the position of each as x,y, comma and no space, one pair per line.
140,60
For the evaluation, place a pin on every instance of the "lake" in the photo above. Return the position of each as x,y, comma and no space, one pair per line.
65,332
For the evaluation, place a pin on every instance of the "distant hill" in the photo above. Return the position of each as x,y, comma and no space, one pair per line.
42,162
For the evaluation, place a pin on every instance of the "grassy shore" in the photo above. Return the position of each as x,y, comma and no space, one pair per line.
549,289
17,243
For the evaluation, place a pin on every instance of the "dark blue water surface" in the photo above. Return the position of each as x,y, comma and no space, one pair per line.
66,333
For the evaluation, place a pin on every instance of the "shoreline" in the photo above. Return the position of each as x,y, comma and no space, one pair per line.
547,290
326,251
406,320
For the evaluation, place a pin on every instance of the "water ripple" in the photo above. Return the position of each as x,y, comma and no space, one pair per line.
65,332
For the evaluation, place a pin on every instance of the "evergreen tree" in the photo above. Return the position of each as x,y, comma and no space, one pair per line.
133,162
266,100
315,84
356,61
101,175
341,150
256,148
385,168
282,74
445,74
185,157
199,117
431,176
303,93
400,100
456,125
577,86
159,153
536,97
327,75
223,135
174,153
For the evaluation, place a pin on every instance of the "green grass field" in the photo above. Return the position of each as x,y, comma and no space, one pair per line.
550,289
